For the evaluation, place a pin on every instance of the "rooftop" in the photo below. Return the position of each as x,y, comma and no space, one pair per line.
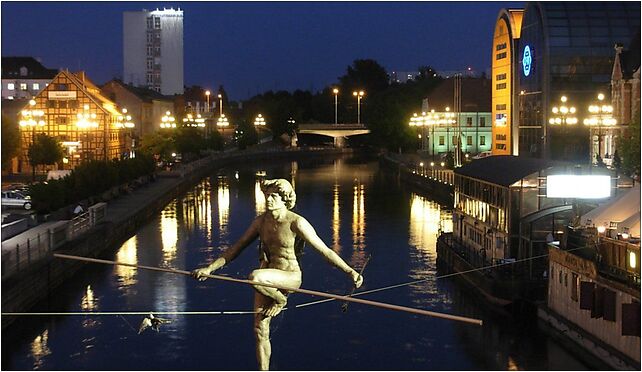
503,170
11,69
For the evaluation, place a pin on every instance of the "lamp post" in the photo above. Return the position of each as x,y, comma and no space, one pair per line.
207,96
259,121
600,116
124,121
220,104
359,96
87,121
32,118
168,121
335,91
563,115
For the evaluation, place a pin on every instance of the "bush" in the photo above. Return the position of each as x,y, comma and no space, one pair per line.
89,179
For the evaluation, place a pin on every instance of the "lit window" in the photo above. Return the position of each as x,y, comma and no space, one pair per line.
10,97
469,140
482,140
23,86
11,86
36,86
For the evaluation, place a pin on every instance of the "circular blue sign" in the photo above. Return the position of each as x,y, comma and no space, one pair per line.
527,60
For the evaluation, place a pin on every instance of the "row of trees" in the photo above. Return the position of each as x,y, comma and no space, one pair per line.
187,141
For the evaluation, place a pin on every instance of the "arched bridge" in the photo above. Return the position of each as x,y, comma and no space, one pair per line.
337,131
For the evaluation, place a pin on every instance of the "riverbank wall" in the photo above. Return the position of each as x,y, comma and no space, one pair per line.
436,182
32,286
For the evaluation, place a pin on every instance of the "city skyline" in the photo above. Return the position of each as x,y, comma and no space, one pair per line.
265,45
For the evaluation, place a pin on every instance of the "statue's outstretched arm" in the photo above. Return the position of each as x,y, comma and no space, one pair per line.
305,230
232,252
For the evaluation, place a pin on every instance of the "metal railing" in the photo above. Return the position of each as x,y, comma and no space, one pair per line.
25,253
79,225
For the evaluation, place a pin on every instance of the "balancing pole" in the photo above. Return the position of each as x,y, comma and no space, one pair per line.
298,290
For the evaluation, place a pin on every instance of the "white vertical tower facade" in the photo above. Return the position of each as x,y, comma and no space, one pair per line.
153,50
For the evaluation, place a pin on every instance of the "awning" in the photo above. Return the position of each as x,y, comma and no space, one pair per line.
624,210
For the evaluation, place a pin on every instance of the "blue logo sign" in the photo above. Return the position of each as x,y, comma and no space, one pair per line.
527,60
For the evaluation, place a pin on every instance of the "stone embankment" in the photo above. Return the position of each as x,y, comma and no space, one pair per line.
30,272
435,179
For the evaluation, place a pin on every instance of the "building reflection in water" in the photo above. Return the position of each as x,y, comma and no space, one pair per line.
205,212
127,254
169,233
424,225
40,349
223,199
336,219
259,197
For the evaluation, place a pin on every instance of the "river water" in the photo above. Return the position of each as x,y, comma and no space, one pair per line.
359,211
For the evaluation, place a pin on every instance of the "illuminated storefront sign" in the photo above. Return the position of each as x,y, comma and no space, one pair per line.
527,60
61,95
582,187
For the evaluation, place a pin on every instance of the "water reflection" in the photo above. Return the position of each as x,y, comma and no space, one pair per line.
358,216
259,198
126,254
336,219
40,349
424,223
223,199
89,302
169,233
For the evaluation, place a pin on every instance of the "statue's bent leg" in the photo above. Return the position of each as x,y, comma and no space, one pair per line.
262,332
290,279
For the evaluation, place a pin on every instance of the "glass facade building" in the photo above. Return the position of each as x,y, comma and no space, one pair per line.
566,49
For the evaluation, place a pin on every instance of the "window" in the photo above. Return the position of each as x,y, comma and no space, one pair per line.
157,22
11,86
500,137
61,86
35,86
500,146
482,121
51,104
62,104
500,86
501,55
150,63
10,97
73,104
500,46
482,140
61,120
500,77
150,22
23,71
469,122
469,140
500,107
23,86
575,283
441,140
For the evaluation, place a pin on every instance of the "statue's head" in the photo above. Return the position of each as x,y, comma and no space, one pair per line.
283,188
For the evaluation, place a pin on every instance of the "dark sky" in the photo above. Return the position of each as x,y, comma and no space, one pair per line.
251,47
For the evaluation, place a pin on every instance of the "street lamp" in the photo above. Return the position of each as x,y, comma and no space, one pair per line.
600,115
207,96
335,91
124,121
194,121
222,122
168,121
359,96
259,121
220,104
32,118
563,114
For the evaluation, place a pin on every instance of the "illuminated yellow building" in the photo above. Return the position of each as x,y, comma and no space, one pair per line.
73,110
504,79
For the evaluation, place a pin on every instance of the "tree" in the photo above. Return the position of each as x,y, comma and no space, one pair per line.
245,135
364,74
189,141
427,73
629,147
10,140
159,144
45,150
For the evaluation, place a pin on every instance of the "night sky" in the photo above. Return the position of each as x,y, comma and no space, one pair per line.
251,47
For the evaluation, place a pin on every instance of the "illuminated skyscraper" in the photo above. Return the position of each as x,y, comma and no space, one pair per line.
153,50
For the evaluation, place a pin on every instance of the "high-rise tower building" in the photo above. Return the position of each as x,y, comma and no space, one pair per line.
153,50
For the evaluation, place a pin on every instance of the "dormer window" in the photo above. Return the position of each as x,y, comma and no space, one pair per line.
23,71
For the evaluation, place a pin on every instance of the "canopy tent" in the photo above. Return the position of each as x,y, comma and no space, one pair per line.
624,210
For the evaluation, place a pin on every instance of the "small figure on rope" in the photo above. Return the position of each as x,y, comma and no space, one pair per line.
279,229
152,321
